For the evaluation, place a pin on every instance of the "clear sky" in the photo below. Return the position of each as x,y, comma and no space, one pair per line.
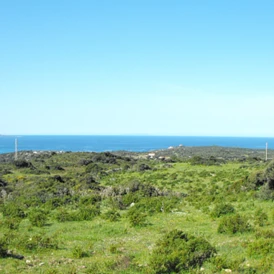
173,67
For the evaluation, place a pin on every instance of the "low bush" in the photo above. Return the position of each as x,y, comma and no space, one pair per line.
198,160
269,174
222,209
13,210
114,248
265,193
85,213
38,217
130,198
265,234
159,204
144,190
11,223
112,215
94,168
261,247
177,252
156,204
266,264
54,203
234,224
255,180
223,262
89,200
63,215
260,218
38,241
78,252
265,180
136,217
3,248
84,162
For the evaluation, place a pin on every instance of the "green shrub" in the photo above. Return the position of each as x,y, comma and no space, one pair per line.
3,248
116,203
143,189
159,204
114,249
94,168
223,262
12,223
151,205
269,174
222,209
38,217
112,215
210,161
131,198
63,215
89,212
265,193
266,264
78,252
89,200
136,217
10,237
255,180
177,252
85,213
233,224
261,247
54,203
38,241
265,234
260,218
13,210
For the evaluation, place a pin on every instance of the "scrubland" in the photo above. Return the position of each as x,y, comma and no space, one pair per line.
105,213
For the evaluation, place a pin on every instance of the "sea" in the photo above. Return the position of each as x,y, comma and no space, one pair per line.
97,143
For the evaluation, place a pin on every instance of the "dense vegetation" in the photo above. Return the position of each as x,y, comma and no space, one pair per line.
129,213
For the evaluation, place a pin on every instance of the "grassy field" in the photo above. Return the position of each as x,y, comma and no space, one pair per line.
101,213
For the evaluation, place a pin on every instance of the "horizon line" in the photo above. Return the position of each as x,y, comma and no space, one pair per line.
138,135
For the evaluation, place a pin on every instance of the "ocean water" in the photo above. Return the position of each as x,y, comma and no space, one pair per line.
130,143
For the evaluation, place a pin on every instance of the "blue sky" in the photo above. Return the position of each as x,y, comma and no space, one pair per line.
174,67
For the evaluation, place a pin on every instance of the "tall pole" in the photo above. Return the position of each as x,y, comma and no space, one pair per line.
266,151
16,146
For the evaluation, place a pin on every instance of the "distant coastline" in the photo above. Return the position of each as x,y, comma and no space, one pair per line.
101,143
